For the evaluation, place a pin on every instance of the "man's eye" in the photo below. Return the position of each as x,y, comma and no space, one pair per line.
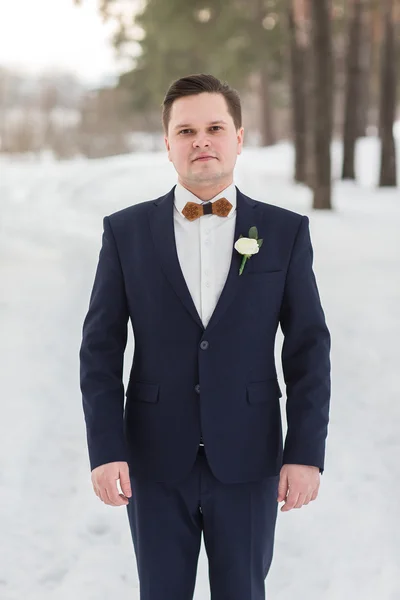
214,127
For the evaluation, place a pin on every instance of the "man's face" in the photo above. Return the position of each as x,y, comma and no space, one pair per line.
202,141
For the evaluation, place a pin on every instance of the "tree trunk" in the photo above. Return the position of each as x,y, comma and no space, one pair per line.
298,55
323,99
353,90
257,12
376,35
302,19
268,132
366,61
387,110
268,135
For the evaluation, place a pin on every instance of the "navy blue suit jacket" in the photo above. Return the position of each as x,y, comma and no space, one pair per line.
219,381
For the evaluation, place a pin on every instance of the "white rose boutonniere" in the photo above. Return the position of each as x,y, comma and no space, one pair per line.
248,246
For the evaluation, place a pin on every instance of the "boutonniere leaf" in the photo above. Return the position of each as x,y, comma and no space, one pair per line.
247,246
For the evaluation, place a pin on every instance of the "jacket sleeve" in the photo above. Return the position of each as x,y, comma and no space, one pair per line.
101,357
305,358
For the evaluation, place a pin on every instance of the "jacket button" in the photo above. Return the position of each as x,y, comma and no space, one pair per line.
204,345
197,388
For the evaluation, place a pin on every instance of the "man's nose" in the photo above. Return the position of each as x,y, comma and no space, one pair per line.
201,141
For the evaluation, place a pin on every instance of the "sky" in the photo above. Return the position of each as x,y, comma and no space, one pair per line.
55,34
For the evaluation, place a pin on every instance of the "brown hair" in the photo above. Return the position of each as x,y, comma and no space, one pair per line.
197,84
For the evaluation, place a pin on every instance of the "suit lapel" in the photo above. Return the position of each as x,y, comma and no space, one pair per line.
246,217
161,220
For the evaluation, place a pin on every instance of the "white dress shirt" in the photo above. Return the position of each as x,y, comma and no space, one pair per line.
204,248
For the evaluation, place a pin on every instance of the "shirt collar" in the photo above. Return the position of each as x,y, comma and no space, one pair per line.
182,195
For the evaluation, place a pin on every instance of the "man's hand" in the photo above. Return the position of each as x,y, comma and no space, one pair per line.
298,485
104,480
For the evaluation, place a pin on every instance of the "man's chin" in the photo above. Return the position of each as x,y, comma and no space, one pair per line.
204,177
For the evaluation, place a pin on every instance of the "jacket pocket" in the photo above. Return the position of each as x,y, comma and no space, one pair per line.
263,391
139,391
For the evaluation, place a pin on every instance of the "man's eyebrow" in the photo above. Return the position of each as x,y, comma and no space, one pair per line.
182,125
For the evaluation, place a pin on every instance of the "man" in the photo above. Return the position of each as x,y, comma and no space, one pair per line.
198,448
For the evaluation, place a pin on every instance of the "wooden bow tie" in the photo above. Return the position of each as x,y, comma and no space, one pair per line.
220,207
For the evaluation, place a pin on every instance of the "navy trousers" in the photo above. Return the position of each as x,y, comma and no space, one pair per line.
238,524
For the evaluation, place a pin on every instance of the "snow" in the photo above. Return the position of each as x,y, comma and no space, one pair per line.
58,540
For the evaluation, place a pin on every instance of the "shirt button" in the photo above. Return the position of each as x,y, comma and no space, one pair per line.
208,284
197,388
204,345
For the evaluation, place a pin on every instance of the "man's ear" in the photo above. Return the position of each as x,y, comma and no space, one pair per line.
166,142
240,137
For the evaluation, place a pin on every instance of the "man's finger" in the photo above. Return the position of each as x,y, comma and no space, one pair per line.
282,488
290,501
109,497
125,482
122,495
96,491
116,499
300,501
102,495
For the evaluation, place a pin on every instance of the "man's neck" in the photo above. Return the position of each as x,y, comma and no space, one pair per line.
205,192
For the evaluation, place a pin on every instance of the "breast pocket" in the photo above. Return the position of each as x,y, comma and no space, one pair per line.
252,273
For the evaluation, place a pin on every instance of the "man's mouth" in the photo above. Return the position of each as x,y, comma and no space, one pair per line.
204,158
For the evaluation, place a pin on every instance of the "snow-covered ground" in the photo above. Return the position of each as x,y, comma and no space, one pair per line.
58,541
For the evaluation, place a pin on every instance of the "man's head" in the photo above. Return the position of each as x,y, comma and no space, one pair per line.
202,118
